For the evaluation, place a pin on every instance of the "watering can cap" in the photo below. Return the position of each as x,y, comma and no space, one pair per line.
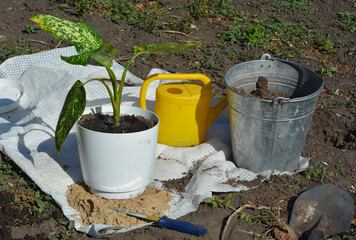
183,92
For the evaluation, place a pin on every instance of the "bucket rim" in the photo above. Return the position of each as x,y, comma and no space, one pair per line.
297,99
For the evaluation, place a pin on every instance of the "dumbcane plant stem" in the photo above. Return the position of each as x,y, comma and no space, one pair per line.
123,77
112,97
116,98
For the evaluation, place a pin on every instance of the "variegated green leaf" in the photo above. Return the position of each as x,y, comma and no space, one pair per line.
72,109
165,48
106,55
83,36
81,59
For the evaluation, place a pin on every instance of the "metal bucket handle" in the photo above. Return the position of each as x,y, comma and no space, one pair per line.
267,56
278,100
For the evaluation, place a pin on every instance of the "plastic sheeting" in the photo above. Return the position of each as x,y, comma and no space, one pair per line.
27,137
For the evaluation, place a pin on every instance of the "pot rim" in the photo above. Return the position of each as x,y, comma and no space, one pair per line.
104,111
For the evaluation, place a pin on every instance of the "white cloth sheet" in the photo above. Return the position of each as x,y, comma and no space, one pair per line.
27,136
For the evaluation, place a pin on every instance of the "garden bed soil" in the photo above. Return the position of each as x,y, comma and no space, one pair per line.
330,142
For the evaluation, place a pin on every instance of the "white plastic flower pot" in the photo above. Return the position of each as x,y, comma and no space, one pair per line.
118,166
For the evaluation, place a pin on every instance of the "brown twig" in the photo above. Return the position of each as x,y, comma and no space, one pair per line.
177,32
278,208
187,41
248,232
224,233
232,216
124,58
292,235
58,44
38,41
266,233
236,212
264,207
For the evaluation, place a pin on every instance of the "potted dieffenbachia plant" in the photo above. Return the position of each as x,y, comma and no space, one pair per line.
111,163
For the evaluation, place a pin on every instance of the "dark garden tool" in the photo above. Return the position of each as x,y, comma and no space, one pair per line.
322,211
168,223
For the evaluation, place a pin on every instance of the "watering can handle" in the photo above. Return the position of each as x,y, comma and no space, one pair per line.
169,76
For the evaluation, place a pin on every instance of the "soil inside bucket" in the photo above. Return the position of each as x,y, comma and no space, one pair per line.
261,91
105,123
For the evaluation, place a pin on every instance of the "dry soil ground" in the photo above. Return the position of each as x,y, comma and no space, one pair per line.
318,34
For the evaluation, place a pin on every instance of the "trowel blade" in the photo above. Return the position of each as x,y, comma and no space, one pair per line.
327,207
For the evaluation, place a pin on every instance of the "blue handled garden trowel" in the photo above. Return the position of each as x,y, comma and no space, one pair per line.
168,223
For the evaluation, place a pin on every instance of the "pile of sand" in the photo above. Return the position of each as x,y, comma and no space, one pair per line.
94,209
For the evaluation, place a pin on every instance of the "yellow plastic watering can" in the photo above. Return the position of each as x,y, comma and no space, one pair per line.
183,108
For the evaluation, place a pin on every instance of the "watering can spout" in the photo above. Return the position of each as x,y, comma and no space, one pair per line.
215,111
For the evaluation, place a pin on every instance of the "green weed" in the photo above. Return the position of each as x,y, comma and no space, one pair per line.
225,9
199,9
246,218
253,35
347,21
263,217
173,6
82,7
339,169
37,201
280,6
325,45
26,192
317,172
142,15
352,233
349,44
10,49
31,29
351,103
69,230
293,181
64,6
221,203
326,104
181,25
138,13
273,35
204,8
212,58
328,70
6,168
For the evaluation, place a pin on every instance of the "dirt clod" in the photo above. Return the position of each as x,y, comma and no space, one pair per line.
261,91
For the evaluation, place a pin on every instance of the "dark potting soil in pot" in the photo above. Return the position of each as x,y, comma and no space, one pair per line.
261,91
105,123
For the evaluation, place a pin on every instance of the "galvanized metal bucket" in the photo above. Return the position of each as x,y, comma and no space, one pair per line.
270,134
